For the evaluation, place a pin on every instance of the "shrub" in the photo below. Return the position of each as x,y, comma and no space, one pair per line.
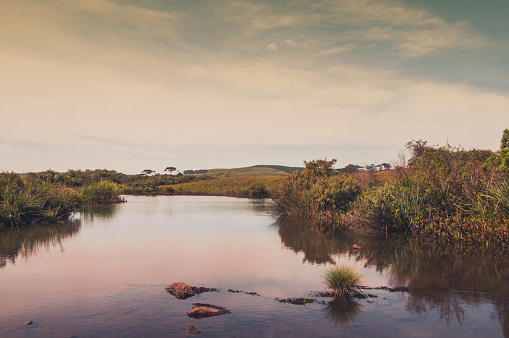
101,192
342,280
317,192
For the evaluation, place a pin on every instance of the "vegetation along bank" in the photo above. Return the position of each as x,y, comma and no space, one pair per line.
443,191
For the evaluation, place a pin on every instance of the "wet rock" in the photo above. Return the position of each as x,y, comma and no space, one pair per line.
325,294
296,301
183,291
362,295
244,292
206,310
29,323
399,289
395,289
193,329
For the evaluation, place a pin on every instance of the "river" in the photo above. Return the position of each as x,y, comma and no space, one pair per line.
104,272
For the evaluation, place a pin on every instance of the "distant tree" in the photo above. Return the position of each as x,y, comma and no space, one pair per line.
351,168
170,169
147,172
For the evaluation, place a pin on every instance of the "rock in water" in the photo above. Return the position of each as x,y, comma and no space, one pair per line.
183,291
192,329
206,310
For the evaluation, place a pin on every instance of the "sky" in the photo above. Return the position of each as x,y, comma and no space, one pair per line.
129,85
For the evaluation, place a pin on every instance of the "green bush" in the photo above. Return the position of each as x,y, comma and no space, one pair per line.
29,199
317,192
101,192
445,192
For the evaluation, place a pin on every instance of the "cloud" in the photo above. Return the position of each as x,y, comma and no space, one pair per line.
271,47
336,50
289,43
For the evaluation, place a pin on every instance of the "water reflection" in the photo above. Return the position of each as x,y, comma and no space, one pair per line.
345,313
27,241
316,244
101,211
444,278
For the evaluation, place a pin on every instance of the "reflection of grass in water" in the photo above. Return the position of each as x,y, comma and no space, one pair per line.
344,313
26,241
316,244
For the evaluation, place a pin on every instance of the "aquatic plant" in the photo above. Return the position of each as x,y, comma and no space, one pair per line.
342,280
101,192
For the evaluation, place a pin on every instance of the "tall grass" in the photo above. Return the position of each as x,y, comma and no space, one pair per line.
445,192
251,187
32,198
24,200
342,280
101,192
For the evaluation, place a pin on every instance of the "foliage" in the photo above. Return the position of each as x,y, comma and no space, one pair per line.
500,160
445,192
317,192
252,187
342,280
101,192
24,200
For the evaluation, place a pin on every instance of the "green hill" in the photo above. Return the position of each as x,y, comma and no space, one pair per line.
254,171
286,169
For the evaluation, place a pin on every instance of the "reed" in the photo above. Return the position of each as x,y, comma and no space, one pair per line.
342,280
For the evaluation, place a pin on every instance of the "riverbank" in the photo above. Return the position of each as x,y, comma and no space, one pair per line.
446,192
32,199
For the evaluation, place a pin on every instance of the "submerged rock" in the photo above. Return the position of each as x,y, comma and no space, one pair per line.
395,289
206,310
296,301
183,291
192,329
244,292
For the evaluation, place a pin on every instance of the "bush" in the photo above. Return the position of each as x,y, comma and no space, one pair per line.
317,192
445,192
101,192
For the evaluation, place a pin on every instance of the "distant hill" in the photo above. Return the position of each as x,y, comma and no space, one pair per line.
254,171
286,169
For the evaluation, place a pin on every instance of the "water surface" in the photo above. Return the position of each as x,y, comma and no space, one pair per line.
104,273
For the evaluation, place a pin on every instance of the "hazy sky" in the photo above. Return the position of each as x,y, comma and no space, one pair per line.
131,85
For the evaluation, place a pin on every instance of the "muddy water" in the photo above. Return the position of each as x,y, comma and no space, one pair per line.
103,273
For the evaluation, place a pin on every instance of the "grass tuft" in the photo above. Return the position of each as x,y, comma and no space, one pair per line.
342,280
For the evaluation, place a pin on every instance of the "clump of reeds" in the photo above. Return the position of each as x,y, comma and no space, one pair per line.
101,192
30,199
342,280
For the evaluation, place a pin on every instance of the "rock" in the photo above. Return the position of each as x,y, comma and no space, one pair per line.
192,329
206,310
296,301
29,323
399,289
244,292
395,289
183,291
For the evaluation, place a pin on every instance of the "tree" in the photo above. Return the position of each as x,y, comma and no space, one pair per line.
170,169
147,172
500,160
